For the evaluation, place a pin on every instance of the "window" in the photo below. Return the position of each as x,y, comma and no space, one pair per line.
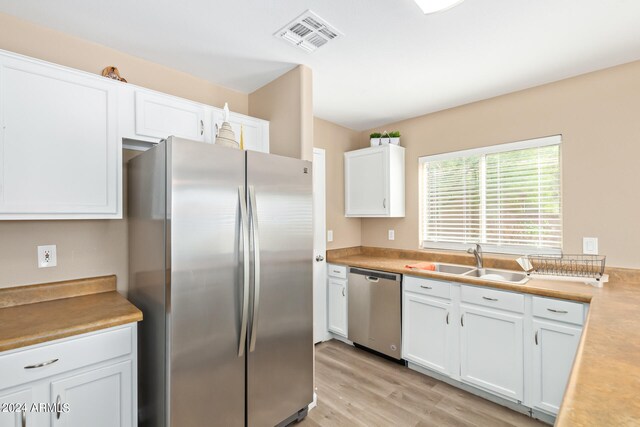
506,197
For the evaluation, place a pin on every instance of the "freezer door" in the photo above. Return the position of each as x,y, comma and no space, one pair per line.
206,374
280,357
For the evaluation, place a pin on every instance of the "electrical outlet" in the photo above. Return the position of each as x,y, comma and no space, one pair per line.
392,234
329,235
47,256
590,245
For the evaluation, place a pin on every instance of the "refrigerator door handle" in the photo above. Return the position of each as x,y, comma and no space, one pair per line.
256,267
244,224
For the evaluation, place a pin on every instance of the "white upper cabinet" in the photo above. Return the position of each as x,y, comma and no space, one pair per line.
374,182
255,131
60,154
160,116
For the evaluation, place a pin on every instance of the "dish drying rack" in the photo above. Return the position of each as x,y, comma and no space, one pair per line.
585,268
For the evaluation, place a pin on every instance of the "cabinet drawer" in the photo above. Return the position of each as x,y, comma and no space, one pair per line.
339,271
555,309
430,287
71,353
493,298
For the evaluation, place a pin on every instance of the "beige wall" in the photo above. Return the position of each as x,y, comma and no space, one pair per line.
43,43
287,103
335,140
598,115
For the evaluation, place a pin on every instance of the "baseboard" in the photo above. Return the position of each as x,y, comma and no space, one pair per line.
340,338
314,403
514,406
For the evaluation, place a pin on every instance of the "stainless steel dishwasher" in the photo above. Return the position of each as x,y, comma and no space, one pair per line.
374,310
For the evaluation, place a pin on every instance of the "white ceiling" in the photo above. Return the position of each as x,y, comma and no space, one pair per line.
392,63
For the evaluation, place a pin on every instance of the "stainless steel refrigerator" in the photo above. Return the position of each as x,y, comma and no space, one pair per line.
220,258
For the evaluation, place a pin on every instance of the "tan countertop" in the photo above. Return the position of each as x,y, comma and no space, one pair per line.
39,313
604,385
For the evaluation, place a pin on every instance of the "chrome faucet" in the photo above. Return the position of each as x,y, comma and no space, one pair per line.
477,252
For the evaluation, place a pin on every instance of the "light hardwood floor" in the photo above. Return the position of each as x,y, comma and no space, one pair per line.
356,388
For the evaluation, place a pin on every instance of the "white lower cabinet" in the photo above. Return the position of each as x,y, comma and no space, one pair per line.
99,397
492,352
15,404
476,335
64,383
555,346
426,331
337,306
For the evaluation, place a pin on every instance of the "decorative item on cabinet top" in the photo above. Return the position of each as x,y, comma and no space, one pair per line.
112,72
225,135
385,138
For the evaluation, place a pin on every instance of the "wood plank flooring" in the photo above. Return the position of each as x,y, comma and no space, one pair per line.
356,388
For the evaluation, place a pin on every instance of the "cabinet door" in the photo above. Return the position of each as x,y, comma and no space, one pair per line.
15,406
255,131
60,155
97,398
367,182
491,345
554,350
161,116
425,331
338,306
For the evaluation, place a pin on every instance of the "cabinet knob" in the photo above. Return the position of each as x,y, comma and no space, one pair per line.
319,258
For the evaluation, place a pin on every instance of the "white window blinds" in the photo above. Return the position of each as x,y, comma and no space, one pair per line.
507,197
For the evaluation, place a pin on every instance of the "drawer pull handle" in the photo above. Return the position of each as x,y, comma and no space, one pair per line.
557,311
58,407
536,337
426,287
40,365
24,418
490,299
335,271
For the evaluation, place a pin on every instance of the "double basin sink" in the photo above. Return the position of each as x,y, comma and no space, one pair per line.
482,273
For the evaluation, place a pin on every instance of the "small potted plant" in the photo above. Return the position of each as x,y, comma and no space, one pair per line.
375,138
384,139
394,137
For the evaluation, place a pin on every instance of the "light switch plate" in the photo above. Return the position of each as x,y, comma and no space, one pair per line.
47,256
392,234
590,245
329,235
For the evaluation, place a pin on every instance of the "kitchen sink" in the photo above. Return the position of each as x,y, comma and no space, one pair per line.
453,269
498,275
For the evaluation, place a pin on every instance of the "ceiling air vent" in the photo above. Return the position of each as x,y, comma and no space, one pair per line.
308,31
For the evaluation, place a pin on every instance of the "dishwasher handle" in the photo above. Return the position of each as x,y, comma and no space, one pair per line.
370,275
372,279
